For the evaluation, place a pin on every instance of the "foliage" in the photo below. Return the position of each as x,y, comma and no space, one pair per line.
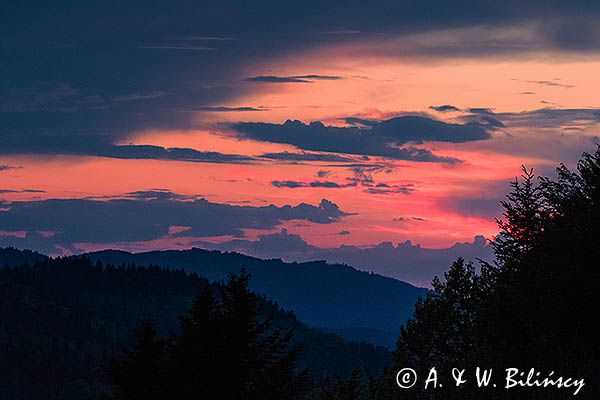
62,319
535,308
225,349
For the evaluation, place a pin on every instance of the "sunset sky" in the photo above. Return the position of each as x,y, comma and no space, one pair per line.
314,125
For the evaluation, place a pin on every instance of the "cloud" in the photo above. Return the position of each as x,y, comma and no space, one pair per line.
148,215
485,207
22,191
228,109
4,167
210,38
101,146
480,110
104,71
372,137
140,96
174,154
303,156
313,184
361,178
402,189
276,79
34,240
522,34
542,118
444,108
185,47
340,32
405,261
319,77
275,243
344,233
293,79
553,83
485,203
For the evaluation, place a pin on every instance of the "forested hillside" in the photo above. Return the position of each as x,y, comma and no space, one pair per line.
356,304
62,319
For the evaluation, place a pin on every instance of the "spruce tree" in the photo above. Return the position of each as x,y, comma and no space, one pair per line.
138,373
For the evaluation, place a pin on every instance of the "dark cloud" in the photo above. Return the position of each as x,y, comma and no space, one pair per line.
210,38
319,77
554,83
147,215
21,191
275,243
361,178
340,32
176,154
541,118
100,145
277,79
313,184
491,122
293,79
444,108
484,207
37,241
376,138
579,34
106,68
344,233
4,167
483,204
303,156
229,109
379,189
480,110
140,96
185,47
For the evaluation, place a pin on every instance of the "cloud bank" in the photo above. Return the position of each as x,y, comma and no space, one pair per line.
368,137
149,215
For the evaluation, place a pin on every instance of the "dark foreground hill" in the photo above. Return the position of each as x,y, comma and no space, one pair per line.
356,304
11,256
63,318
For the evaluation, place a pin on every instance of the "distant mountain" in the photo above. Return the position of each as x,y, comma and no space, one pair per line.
356,304
405,261
62,318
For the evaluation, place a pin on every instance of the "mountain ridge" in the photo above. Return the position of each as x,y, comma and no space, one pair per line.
335,297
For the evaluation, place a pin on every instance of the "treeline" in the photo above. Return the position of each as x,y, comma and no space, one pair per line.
225,349
63,319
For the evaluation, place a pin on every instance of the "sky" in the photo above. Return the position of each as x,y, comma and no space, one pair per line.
380,134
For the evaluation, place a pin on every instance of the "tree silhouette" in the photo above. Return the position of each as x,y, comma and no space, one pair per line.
226,349
535,307
136,374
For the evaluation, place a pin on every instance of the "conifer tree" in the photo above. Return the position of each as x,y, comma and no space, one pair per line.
227,348
137,374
